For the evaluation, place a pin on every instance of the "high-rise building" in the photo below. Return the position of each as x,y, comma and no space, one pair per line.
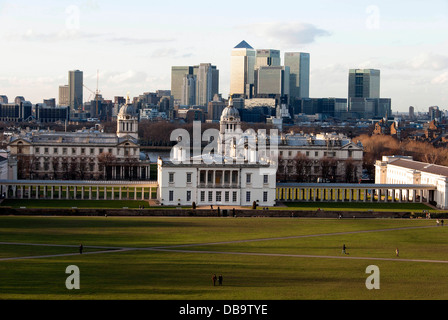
64,95
411,113
364,83
272,80
177,80
267,57
75,83
194,85
188,90
299,74
207,83
242,66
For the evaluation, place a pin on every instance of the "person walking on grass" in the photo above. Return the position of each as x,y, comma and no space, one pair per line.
214,279
344,248
80,248
397,252
220,279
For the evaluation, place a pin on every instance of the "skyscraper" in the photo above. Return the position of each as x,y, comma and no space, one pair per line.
299,74
242,66
207,83
364,83
267,57
188,90
177,80
272,80
203,79
64,95
75,83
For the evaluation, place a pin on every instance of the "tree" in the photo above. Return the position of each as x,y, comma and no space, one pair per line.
106,160
302,167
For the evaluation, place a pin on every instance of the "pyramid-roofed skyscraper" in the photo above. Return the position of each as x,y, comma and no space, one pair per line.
242,70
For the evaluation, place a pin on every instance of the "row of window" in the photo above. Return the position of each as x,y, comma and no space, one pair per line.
83,151
248,177
329,154
218,196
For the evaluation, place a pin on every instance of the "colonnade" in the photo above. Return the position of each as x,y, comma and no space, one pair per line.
106,190
354,192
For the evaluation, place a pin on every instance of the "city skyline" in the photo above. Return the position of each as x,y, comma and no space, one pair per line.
133,47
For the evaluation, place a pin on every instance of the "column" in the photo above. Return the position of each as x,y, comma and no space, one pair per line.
421,195
135,193
67,192
82,192
105,192
52,193
113,193
386,195
400,194
37,192
143,193
90,193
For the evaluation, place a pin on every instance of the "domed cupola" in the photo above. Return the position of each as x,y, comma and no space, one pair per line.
127,121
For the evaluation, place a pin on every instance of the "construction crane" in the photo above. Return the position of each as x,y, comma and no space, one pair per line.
96,93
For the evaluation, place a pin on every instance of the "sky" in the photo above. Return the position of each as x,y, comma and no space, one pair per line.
130,46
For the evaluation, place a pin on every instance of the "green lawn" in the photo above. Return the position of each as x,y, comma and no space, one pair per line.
186,274
106,204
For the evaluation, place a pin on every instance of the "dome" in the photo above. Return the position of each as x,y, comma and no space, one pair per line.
126,110
229,112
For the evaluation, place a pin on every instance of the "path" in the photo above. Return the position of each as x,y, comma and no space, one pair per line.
172,248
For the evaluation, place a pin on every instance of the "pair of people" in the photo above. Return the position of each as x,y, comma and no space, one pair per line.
214,278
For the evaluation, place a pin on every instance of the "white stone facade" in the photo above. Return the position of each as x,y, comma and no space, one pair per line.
404,170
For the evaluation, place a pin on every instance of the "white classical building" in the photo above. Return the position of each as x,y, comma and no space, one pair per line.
83,155
404,170
234,176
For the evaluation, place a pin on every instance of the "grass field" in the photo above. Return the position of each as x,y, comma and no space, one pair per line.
94,204
260,258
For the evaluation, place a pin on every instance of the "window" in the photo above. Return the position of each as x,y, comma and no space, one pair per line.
307,153
64,150
171,177
265,196
189,177
101,150
73,150
227,196
188,195
247,196
171,195
37,150
234,196
248,177
46,150
210,196
110,151
265,178
218,196
92,151
202,196
316,153
55,150
83,150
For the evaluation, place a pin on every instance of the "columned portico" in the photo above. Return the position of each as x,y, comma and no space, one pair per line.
99,190
352,192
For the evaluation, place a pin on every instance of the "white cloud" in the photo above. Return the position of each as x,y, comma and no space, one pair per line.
287,33
441,79
430,61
